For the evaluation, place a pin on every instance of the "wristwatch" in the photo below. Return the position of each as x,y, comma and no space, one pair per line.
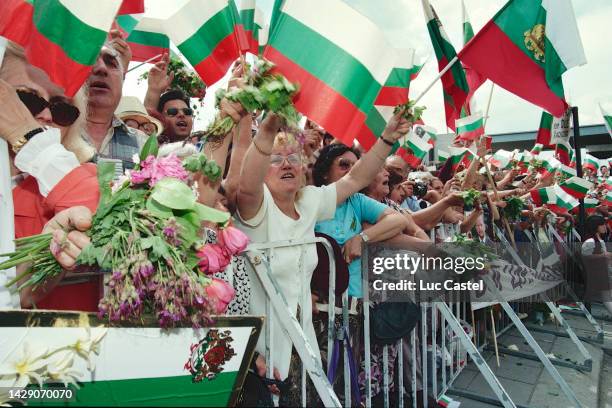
364,236
25,138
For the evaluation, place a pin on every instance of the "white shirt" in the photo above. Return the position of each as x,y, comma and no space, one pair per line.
588,246
271,224
48,161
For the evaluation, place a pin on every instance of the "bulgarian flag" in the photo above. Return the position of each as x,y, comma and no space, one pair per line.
608,199
443,155
62,37
563,151
576,187
501,159
564,200
474,79
146,36
543,196
208,35
339,58
590,204
471,127
396,87
549,165
454,83
526,48
252,21
607,119
460,155
416,148
545,130
566,171
591,163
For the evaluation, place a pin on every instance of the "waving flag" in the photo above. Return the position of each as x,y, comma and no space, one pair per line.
454,84
131,7
62,37
208,34
526,48
470,128
607,119
146,38
253,22
339,58
474,79
577,187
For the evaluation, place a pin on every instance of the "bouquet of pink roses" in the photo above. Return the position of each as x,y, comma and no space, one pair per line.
147,234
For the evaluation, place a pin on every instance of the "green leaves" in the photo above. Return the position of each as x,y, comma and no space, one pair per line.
173,194
159,248
106,173
469,197
150,148
411,113
210,214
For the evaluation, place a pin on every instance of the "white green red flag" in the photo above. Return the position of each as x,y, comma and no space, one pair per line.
460,156
416,148
208,34
339,58
564,199
563,152
608,199
526,48
474,79
545,130
396,88
146,36
566,171
501,159
253,22
607,119
454,83
541,196
62,37
591,163
590,203
470,128
577,187
443,155
537,149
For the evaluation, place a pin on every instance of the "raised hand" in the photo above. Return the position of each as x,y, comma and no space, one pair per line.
159,79
397,127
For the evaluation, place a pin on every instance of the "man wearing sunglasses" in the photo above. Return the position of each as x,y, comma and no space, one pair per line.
177,116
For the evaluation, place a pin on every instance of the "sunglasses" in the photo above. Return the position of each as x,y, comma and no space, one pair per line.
293,159
63,113
345,164
174,111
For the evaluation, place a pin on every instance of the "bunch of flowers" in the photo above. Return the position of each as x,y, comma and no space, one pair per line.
514,207
146,233
411,113
262,91
469,197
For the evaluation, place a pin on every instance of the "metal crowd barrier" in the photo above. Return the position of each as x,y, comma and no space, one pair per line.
439,347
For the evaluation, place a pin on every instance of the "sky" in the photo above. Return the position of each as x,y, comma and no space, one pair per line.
403,23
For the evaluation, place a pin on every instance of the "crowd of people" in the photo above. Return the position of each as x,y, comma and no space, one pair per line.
278,184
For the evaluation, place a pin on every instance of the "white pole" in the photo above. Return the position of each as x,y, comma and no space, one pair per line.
486,117
144,62
446,68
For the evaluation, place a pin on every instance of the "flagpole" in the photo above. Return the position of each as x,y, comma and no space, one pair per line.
488,105
145,62
446,68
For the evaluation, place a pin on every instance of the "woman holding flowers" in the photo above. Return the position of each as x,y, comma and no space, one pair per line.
273,205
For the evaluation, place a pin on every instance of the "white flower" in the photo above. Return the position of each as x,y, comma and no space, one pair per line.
88,345
61,370
22,371
136,158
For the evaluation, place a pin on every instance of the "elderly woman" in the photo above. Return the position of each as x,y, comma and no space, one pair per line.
274,206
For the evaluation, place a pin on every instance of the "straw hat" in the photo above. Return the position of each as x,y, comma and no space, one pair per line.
131,107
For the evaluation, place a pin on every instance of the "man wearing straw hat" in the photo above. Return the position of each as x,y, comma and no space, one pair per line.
133,113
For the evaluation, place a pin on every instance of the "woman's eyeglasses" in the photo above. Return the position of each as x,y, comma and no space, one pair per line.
345,164
63,113
147,127
293,159
174,111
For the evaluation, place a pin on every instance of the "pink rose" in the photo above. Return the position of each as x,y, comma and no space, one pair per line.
220,293
234,240
168,166
213,258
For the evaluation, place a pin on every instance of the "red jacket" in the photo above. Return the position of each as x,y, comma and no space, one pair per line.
33,211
